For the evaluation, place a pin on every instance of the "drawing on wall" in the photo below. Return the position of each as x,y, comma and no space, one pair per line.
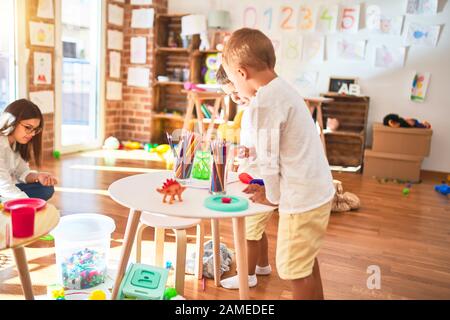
42,68
45,100
351,50
373,15
138,50
391,25
45,9
42,34
421,7
313,49
420,34
420,86
386,57
142,18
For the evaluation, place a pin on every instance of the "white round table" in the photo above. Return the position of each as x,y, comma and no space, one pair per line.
138,193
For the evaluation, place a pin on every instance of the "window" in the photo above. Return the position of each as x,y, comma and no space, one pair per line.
80,36
7,44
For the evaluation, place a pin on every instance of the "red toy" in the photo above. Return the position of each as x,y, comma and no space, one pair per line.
226,200
245,178
171,188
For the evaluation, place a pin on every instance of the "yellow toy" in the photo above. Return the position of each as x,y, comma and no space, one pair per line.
56,292
97,295
231,132
132,145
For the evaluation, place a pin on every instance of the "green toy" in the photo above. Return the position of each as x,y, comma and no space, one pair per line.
226,203
143,282
57,154
170,293
406,191
48,237
201,169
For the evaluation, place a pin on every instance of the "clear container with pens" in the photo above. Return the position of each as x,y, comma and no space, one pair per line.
220,152
184,154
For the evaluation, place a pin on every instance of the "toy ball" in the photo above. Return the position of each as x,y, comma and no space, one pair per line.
170,293
111,143
226,200
405,191
57,154
97,295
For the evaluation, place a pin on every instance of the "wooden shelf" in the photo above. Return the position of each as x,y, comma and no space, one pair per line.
167,83
199,52
168,116
171,50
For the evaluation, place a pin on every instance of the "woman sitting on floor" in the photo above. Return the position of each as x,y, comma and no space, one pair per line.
21,127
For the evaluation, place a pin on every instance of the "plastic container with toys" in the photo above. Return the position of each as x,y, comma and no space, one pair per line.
82,243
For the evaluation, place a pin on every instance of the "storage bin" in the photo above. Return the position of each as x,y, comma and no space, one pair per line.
82,243
392,166
409,141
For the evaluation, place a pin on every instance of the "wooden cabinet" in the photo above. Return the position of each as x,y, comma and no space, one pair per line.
179,64
345,147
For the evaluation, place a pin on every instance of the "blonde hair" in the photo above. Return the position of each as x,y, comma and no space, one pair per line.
250,48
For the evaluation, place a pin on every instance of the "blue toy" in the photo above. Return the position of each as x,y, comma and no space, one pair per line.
258,182
443,188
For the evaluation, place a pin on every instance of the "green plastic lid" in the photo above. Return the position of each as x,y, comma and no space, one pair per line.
215,203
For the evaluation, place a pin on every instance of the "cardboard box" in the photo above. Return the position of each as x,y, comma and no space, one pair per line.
392,166
409,141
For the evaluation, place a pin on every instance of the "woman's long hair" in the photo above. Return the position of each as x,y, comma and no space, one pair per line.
24,110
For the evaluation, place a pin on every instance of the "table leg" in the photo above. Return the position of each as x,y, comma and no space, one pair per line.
241,256
159,247
216,250
24,274
180,263
199,243
130,233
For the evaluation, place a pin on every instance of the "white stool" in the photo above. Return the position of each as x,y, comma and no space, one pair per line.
178,225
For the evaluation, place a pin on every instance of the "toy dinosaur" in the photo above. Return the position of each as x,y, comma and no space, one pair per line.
171,188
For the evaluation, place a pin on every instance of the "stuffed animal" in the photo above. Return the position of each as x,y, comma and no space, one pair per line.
344,201
395,121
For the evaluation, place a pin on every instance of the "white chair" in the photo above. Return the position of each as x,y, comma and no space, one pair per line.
178,225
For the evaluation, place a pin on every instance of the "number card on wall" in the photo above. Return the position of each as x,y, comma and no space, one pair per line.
313,49
291,47
307,18
327,18
349,21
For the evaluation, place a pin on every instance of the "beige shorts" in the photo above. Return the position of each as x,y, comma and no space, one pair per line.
256,225
299,240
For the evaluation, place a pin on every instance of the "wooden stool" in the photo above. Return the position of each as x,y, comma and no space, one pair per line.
315,103
195,99
178,225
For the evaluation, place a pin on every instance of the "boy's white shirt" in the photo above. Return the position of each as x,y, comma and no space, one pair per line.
247,165
13,170
290,155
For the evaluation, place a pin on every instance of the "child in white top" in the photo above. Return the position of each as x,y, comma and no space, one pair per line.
290,158
21,133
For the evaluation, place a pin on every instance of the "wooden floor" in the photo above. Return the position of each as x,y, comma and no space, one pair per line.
407,237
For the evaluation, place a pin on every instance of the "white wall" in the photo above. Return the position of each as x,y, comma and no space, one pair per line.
388,88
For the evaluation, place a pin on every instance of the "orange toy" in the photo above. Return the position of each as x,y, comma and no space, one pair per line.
171,188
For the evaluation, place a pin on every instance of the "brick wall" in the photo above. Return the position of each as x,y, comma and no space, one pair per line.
49,130
130,119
